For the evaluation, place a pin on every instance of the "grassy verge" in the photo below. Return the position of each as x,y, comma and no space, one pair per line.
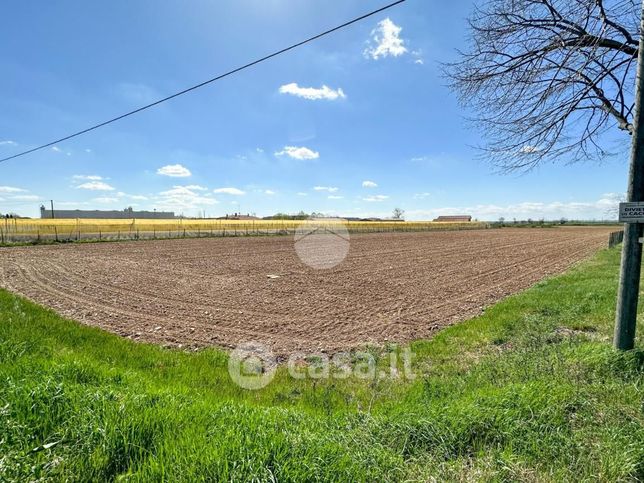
530,391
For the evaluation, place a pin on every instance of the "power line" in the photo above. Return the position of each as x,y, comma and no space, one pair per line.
209,81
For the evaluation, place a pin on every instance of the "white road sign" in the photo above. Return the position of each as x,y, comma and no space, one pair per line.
631,212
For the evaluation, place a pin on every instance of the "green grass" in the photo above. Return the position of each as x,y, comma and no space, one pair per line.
529,391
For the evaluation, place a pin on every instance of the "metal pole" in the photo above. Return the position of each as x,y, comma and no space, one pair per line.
629,280
52,208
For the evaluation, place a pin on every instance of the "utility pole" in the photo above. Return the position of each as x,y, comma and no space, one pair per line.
52,208
629,279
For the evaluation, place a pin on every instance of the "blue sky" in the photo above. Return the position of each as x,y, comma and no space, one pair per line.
385,132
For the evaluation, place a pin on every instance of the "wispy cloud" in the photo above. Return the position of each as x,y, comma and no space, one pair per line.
330,189
90,177
106,200
421,196
25,198
95,186
418,55
603,208
375,198
527,149
56,149
434,160
174,171
8,142
229,191
385,41
72,204
312,93
335,197
137,93
369,184
121,194
302,193
269,192
11,189
301,153
196,187
181,197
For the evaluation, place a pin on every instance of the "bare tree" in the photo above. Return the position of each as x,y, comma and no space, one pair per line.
546,78
398,214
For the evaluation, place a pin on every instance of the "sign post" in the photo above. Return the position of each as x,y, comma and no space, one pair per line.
629,277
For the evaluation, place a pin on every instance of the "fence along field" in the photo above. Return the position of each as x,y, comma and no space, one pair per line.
67,229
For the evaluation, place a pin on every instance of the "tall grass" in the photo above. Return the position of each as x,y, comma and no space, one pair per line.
529,391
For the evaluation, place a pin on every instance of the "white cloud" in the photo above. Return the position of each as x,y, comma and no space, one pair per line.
375,198
106,200
95,186
312,93
330,189
269,192
300,153
56,149
25,198
421,196
603,208
8,142
385,41
229,191
137,93
88,150
259,150
182,197
335,197
11,189
174,171
121,194
418,55
527,149
434,160
196,187
72,204
302,193
91,177
178,191
369,184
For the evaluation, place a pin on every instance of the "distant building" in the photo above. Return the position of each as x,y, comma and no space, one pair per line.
454,218
106,214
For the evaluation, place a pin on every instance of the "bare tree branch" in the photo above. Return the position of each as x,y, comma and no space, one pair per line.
547,78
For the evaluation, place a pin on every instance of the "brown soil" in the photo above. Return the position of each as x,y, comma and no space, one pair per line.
217,291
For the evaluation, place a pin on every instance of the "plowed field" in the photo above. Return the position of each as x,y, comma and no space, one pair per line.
224,291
